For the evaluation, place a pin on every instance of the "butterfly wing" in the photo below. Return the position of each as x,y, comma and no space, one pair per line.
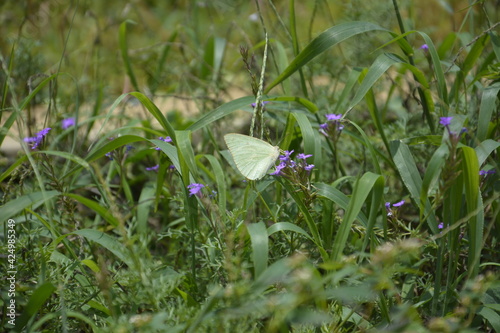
252,156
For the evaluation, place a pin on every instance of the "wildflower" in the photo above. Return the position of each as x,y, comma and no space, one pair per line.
445,121
333,117
195,188
486,172
424,47
129,148
280,167
303,156
109,155
38,138
153,168
333,126
166,139
309,167
440,225
68,122
399,204
262,104
388,206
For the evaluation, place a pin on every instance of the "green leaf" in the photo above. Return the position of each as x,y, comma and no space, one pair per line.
146,202
432,174
260,246
403,159
336,196
470,169
484,150
222,111
220,179
96,207
488,105
37,299
311,141
124,52
323,42
16,206
491,316
153,109
287,226
362,188
108,242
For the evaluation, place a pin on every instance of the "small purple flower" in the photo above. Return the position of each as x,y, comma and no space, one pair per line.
109,155
195,188
424,47
440,225
303,156
486,172
309,167
166,139
263,103
286,156
388,205
333,117
68,122
399,204
445,121
38,138
279,167
129,148
153,168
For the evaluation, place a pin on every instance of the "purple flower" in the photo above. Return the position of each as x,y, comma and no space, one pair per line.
279,167
441,225
309,167
166,139
388,205
445,121
68,122
399,204
263,103
333,117
424,47
153,168
109,155
486,172
195,188
286,156
38,138
303,156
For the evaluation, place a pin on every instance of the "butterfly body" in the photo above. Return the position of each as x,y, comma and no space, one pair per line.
253,157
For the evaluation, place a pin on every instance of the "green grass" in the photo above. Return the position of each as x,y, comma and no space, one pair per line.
102,228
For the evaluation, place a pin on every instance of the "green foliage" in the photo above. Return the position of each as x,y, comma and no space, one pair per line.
384,217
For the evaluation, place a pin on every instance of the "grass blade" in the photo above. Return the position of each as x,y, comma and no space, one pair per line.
323,42
260,246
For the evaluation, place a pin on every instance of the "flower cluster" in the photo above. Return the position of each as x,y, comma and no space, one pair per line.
333,126
297,171
390,212
289,166
38,138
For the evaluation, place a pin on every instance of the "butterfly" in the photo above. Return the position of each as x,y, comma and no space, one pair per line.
252,156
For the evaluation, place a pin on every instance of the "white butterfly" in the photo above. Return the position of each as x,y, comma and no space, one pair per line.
252,156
